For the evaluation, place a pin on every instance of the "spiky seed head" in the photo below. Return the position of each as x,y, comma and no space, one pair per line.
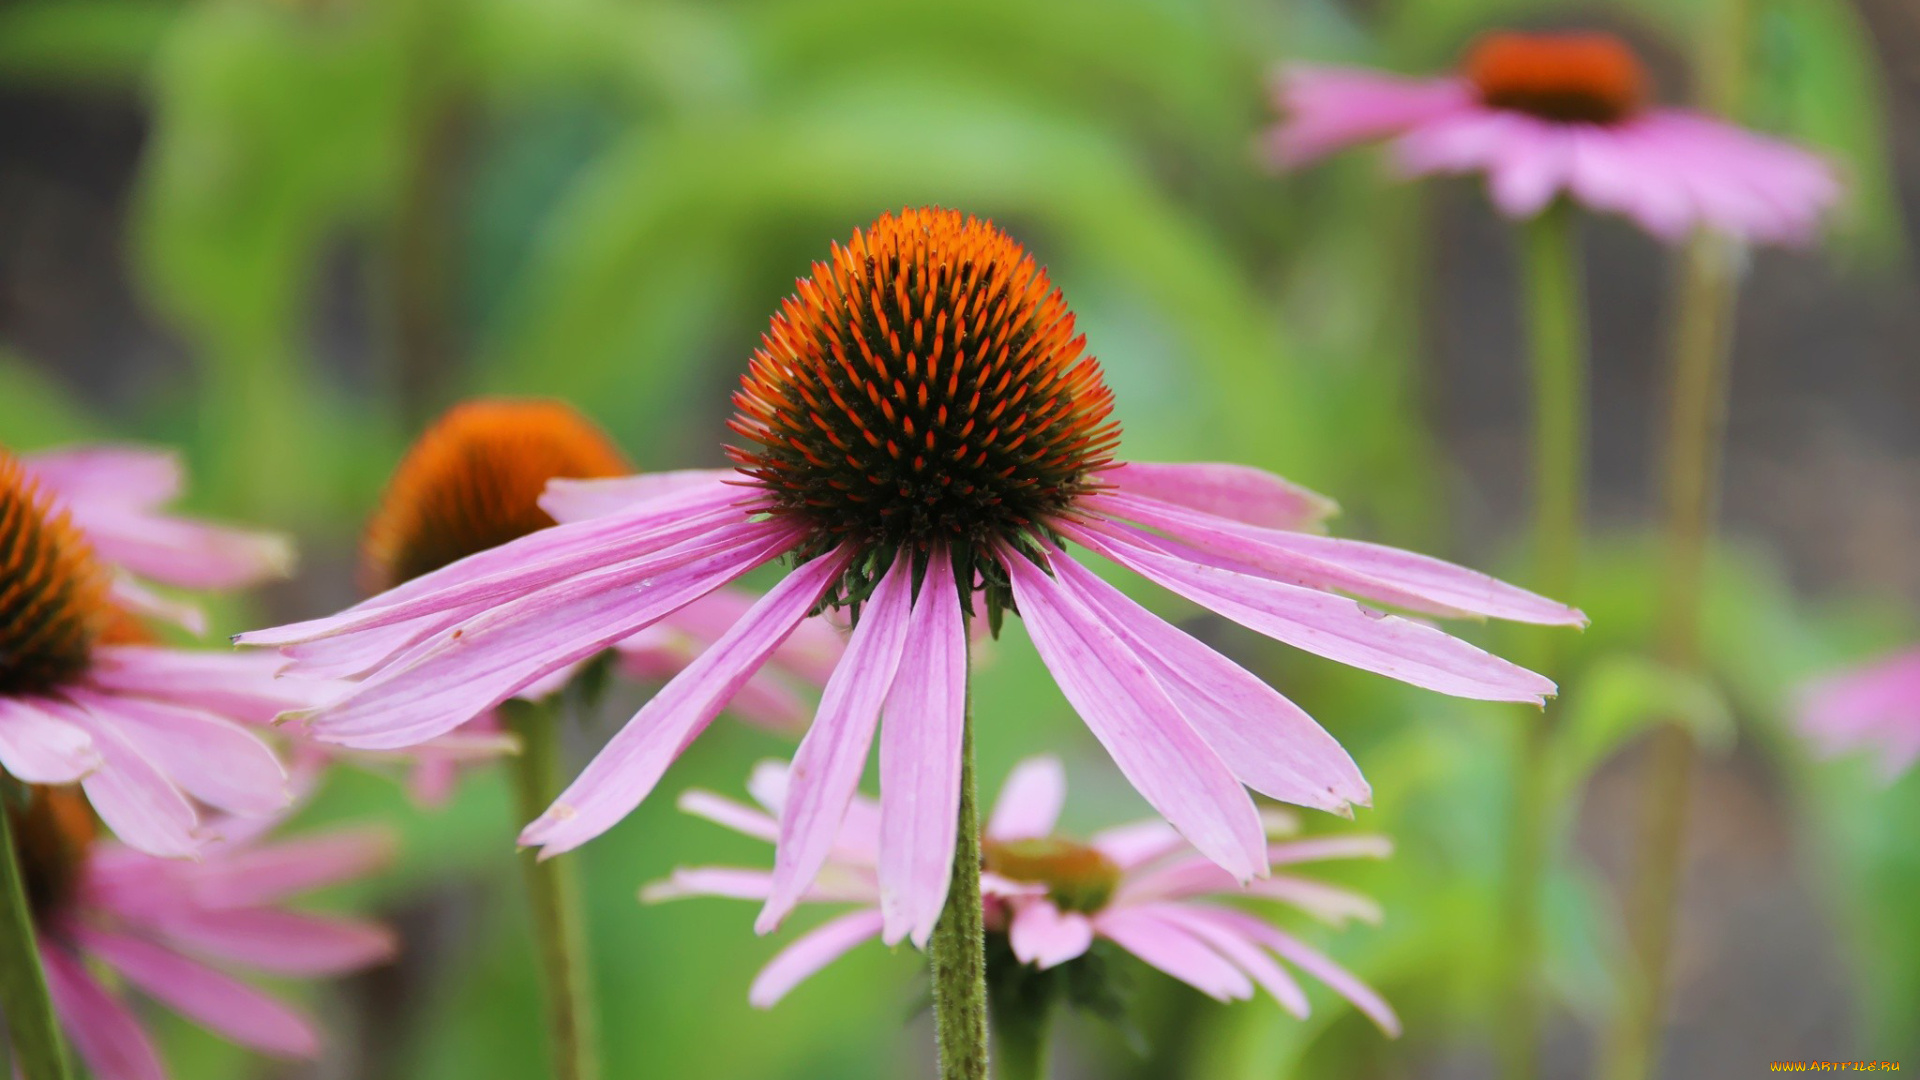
924,386
473,480
53,594
1584,77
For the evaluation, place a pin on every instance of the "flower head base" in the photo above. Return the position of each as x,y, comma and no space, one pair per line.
1077,877
1576,78
53,832
473,481
53,595
924,387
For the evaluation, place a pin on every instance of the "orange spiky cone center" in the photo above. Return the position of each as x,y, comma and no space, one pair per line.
1583,77
53,831
53,595
473,481
924,386
1078,877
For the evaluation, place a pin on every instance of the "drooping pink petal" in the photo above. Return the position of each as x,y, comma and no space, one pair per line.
1874,704
278,942
39,748
827,767
278,871
489,658
240,685
1044,936
209,757
517,568
127,476
732,815
1238,492
1467,141
130,793
209,998
134,598
1373,571
811,652
1270,743
1244,954
104,1031
835,885
1136,845
625,771
1325,109
809,953
1315,963
1174,950
1196,876
180,552
920,747
1330,904
568,499
1530,167
1321,623
1030,801
1161,755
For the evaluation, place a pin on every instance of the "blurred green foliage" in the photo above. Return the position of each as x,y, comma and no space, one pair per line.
609,199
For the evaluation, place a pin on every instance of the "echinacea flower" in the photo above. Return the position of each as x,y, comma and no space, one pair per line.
1876,705
147,731
1541,115
473,481
169,929
923,434
114,496
1139,886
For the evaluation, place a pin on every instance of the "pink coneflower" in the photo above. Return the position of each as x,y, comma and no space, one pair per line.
160,927
923,433
114,495
1543,115
1139,886
473,481
149,732
1876,706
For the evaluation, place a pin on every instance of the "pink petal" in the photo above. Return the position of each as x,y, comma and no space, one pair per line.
811,652
1043,936
211,999
1238,492
809,953
1195,877
920,748
625,771
180,552
279,942
827,767
520,567
1030,801
209,757
1270,743
41,749
489,658
274,872
1375,571
1132,846
1314,963
1165,760
1330,626
1174,950
239,685
568,500
131,596
104,1031
130,792
1330,904
1329,109
123,475
732,815
1244,954
725,882
1532,165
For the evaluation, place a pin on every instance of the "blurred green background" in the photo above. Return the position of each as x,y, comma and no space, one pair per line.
282,234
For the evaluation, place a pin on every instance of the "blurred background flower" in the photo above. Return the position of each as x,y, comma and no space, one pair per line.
283,234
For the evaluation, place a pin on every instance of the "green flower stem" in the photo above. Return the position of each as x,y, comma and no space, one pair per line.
1557,334
32,1029
958,951
553,891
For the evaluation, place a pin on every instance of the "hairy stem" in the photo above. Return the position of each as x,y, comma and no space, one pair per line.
32,1029
958,951
553,892
1557,336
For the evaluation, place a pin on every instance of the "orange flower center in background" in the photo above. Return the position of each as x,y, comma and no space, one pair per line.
1077,877
1574,77
473,481
924,385
52,834
53,595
